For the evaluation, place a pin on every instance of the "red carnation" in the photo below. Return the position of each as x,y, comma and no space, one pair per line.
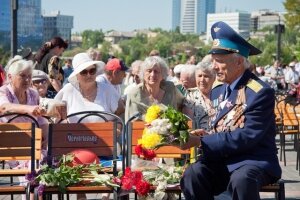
138,150
149,154
128,171
137,176
126,183
142,188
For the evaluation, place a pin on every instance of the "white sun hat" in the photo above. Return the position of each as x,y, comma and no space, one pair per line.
80,62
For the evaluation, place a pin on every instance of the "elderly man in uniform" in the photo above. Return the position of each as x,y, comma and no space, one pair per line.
239,153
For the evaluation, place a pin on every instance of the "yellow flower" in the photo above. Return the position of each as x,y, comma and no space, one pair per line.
152,113
150,140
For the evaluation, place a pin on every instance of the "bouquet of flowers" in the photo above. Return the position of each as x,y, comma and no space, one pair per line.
63,174
164,126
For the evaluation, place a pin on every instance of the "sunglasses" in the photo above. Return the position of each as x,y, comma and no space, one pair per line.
37,82
90,71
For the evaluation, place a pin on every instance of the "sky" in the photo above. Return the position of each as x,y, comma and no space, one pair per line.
128,15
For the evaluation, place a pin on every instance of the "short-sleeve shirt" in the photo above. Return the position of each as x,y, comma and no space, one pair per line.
106,100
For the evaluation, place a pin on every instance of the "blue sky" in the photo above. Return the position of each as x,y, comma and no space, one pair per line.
127,15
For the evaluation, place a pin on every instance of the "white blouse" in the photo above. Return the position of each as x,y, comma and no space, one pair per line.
106,100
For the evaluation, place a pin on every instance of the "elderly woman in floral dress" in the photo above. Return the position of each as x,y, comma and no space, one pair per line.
197,104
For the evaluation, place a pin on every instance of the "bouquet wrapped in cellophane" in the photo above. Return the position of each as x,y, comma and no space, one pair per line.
164,126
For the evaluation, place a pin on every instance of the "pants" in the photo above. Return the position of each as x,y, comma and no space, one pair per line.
202,181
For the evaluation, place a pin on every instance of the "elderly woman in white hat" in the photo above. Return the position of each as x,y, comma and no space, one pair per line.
83,93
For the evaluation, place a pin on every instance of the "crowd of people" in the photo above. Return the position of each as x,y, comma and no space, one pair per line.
231,103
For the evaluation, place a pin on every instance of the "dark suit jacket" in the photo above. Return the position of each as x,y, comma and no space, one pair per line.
254,144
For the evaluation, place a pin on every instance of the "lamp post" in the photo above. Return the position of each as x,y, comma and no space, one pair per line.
13,34
278,29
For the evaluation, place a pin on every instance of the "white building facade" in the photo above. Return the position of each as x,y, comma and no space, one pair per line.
239,21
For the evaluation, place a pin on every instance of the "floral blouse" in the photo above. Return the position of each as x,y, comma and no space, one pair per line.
196,101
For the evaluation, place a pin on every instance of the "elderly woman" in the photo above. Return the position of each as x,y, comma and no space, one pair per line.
197,104
84,93
154,89
17,95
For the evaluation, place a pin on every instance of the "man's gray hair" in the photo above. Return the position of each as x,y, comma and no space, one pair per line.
189,70
246,64
152,61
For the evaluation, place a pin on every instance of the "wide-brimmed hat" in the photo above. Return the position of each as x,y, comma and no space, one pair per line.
82,61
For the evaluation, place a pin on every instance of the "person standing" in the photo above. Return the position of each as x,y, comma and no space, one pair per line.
47,59
239,152
68,69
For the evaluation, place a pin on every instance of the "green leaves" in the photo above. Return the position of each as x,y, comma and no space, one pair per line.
65,174
179,124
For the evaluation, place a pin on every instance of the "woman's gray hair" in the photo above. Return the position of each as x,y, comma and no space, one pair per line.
16,65
152,61
206,66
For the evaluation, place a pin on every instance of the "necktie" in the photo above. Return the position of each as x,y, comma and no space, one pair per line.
228,91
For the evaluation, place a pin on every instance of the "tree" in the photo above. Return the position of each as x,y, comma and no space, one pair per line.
92,38
293,13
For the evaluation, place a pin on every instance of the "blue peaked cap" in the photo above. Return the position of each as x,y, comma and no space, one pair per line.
226,41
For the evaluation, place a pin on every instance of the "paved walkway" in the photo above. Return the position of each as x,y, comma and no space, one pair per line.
290,176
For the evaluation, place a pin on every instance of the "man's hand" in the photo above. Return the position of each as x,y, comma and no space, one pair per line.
194,139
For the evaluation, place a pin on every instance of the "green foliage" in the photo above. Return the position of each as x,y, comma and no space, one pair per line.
64,174
292,16
4,56
179,124
92,38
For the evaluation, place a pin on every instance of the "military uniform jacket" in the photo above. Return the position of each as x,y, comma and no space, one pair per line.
252,141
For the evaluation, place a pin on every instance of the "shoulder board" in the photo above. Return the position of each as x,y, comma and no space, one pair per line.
217,83
254,85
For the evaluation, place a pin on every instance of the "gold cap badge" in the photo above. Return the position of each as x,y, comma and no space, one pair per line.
216,42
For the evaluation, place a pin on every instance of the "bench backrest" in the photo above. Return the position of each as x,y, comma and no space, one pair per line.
20,141
100,138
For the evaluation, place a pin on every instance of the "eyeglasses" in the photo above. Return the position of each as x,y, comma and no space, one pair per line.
25,76
90,71
37,82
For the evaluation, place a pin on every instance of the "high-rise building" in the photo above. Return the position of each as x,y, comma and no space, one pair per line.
56,24
29,22
191,15
239,21
176,14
